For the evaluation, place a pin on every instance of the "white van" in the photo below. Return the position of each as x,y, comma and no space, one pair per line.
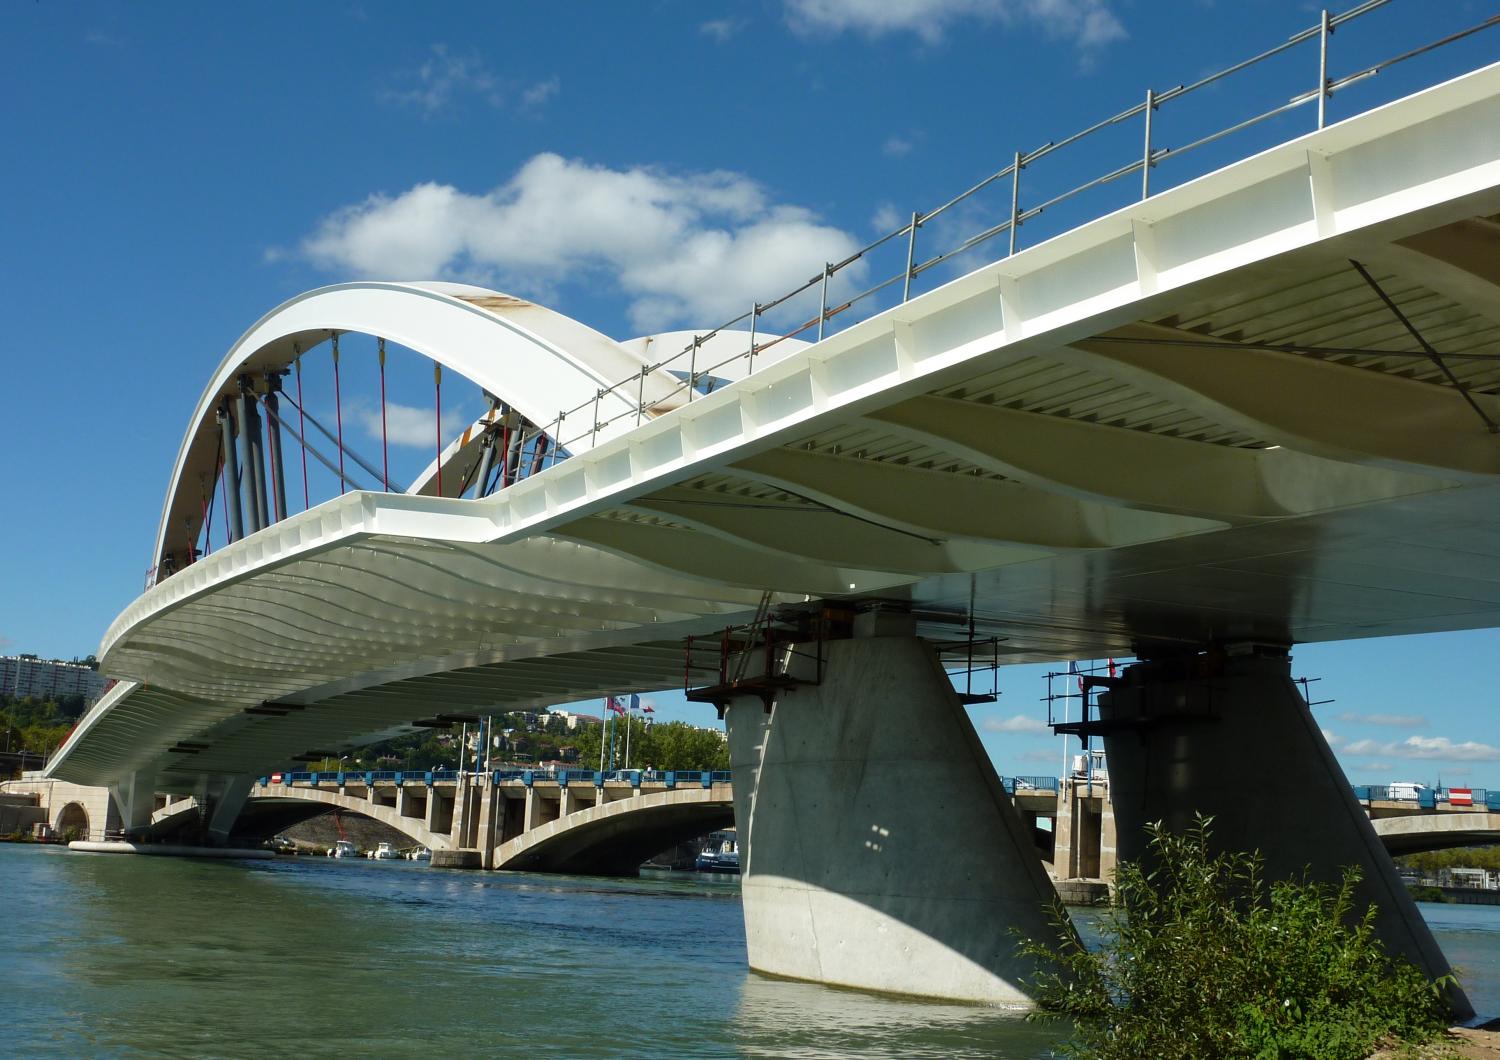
1405,791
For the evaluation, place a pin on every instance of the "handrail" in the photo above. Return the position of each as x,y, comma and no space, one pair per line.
1150,157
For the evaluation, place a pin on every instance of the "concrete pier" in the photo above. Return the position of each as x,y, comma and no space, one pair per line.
1229,736
878,849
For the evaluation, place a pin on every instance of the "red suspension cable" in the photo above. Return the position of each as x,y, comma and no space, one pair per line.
207,527
224,495
338,411
437,382
301,429
385,451
275,492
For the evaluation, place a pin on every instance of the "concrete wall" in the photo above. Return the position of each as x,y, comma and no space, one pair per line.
55,796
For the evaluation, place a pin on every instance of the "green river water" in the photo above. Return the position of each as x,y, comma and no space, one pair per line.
106,955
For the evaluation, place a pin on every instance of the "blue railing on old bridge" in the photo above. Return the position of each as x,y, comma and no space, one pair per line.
671,778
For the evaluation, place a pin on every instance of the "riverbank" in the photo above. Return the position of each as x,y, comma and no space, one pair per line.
1463,1043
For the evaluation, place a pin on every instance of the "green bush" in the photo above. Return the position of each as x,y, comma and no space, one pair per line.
1201,957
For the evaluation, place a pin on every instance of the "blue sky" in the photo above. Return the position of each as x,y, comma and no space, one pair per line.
178,170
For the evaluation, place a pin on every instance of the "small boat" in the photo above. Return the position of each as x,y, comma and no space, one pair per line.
384,852
344,848
420,854
725,858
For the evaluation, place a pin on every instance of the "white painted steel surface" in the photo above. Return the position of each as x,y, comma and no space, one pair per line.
1091,439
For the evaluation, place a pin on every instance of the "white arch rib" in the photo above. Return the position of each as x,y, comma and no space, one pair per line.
539,361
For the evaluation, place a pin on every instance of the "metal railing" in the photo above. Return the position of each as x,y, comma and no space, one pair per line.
697,377
1477,799
1015,784
561,775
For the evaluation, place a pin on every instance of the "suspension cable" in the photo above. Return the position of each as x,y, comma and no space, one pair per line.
317,455
343,449
385,447
338,411
208,511
297,360
437,382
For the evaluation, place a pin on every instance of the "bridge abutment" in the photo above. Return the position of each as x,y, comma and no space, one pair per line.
1231,738
878,848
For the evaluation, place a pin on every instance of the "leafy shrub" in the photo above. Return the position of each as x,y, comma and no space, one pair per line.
1202,958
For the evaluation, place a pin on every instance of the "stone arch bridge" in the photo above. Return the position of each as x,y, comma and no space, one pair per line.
571,821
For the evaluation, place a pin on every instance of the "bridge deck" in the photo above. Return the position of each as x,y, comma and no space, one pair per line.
1194,419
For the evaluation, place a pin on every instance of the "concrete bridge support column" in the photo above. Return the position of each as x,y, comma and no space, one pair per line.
878,848
533,809
404,802
491,811
136,798
226,805
1084,842
565,799
1231,737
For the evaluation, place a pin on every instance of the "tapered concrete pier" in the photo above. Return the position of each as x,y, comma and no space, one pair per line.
1229,736
878,849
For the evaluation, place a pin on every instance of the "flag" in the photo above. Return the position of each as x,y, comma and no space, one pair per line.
648,709
1460,796
614,704
1111,668
635,701
1073,669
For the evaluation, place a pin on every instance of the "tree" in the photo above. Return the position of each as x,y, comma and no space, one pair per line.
1201,957
664,745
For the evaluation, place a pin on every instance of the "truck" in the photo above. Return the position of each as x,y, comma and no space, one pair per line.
1081,763
1405,791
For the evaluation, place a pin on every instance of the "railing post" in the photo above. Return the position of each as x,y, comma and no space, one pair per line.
1015,199
640,400
1324,30
754,313
693,369
1146,161
911,254
823,311
594,430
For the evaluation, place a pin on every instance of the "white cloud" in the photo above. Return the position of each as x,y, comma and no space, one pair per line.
1399,721
721,29
1089,23
540,92
411,425
887,219
896,146
443,77
1038,756
1333,738
1015,723
1426,747
688,249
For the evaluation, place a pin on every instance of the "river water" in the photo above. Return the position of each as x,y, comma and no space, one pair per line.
107,955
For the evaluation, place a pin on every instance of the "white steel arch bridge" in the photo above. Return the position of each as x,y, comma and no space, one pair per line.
1253,410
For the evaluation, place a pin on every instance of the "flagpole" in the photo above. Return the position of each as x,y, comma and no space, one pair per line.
603,732
629,717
